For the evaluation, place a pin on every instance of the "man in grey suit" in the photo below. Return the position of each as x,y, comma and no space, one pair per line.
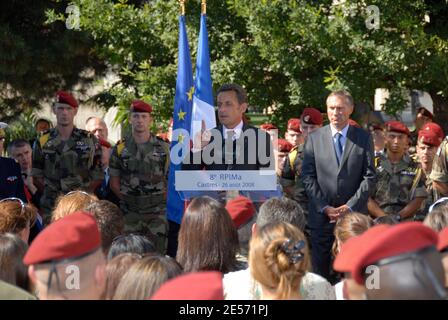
338,174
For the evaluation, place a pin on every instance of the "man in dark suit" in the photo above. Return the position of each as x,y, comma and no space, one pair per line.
338,175
233,144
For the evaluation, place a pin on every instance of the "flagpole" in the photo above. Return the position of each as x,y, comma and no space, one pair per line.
182,7
203,6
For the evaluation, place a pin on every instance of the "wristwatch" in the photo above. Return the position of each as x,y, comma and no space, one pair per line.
397,217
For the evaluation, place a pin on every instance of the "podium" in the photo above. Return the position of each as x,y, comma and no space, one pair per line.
257,197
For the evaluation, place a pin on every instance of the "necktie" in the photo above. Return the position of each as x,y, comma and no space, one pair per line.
230,134
338,147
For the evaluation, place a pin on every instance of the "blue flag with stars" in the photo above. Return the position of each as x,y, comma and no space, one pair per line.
181,119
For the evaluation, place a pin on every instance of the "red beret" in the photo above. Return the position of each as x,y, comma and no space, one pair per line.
66,98
432,126
192,286
397,126
351,248
140,106
284,146
104,143
294,125
353,123
429,138
241,210
312,116
70,237
396,240
268,126
443,240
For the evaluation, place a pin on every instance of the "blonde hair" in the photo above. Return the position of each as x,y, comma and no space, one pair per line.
145,276
16,216
72,202
350,225
273,266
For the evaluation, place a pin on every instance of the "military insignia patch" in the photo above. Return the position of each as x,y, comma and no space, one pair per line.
11,178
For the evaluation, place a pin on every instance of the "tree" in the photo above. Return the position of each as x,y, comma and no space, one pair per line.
37,59
288,54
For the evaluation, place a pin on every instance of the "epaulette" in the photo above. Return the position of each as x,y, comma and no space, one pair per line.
120,146
44,136
377,161
292,155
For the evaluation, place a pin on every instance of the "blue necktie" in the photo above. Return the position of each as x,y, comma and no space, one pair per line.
338,147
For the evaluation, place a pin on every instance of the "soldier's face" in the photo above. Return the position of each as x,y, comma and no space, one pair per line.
426,153
64,114
23,156
281,158
396,142
293,137
307,129
338,111
230,111
2,141
140,121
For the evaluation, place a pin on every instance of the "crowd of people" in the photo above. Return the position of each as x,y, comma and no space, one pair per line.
363,212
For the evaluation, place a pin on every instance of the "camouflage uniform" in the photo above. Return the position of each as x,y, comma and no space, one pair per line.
439,171
143,169
65,165
291,176
398,184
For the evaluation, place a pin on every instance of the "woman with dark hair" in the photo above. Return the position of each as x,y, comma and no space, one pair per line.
12,269
130,243
208,239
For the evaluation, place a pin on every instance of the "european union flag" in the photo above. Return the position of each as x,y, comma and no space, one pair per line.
203,109
181,119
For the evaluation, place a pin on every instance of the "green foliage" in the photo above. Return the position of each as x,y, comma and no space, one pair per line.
21,128
288,54
37,59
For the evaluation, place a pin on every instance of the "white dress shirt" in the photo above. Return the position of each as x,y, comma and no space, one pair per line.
237,130
343,132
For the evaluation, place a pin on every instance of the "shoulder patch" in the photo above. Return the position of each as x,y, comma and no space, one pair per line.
44,138
120,146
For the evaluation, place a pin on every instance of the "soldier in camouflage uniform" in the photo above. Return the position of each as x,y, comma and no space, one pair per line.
399,191
429,139
65,158
138,171
310,120
439,172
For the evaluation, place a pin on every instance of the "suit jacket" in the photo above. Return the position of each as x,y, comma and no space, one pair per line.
11,182
250,150
327,184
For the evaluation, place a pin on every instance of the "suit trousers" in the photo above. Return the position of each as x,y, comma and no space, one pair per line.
322,240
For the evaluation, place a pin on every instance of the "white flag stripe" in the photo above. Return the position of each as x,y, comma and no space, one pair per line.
202,111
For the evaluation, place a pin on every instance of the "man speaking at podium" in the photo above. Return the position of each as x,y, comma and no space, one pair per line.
233,144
